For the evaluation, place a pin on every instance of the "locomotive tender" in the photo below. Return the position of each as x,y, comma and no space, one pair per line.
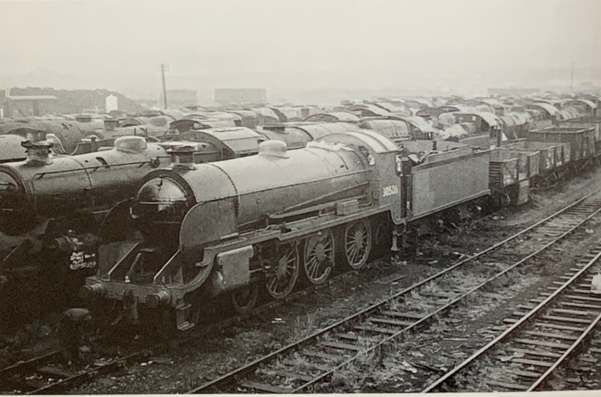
210,229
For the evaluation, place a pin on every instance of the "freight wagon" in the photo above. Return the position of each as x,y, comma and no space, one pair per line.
587,122
581,140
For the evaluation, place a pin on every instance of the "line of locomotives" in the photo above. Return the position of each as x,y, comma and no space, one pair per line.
52,206
193,231
212,217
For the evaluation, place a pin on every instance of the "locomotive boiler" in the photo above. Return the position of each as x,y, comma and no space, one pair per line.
214,144
65,133
52,187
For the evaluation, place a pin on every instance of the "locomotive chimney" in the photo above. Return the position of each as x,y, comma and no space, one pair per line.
182,157
36,135
94,144
499,136
38,153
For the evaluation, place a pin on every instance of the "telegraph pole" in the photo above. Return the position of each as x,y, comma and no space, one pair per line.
572,77
164,87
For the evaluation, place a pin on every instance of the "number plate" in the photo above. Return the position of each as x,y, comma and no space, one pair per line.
82,260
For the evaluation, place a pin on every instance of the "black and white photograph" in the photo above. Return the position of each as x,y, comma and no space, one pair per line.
300,196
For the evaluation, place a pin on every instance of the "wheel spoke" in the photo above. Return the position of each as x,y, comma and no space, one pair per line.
315,267
313,270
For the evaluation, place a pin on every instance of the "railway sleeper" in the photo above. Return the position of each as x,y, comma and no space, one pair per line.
526,307
573,381
536,363
536,300
321,355
412,316
588,278
589,360
579,285
551,335
54,372
552,227
376,330
565,319
387,321
583,297
533,342
309,364
519,314
291,375
532,352
355,338
540,324
591,254
574,312
339,345
524,373
444,297
265,388
581,291
506,385
553,234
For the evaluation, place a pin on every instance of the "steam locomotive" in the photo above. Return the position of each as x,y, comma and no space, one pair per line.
51,208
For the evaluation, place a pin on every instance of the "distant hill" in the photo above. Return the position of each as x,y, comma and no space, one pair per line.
76,101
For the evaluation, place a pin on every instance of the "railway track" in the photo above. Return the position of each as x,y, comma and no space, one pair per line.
47,373
303,364
544,335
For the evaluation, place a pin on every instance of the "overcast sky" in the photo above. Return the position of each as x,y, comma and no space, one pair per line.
296,44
